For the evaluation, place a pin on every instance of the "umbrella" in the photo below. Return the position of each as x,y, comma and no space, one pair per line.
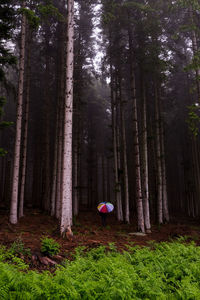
105,207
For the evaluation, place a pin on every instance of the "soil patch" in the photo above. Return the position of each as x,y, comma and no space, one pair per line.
88,232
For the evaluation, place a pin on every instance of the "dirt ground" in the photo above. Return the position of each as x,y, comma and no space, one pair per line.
88,232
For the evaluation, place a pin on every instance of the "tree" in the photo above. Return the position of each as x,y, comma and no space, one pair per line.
66,192
16,163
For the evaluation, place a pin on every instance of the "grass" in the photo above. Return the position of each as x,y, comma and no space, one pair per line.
170,271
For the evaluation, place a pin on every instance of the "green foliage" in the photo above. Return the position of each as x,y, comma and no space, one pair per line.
17,248
193,119
32,18
9,257
49,10
170,271
49,246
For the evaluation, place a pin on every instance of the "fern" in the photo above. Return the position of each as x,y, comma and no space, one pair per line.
170,271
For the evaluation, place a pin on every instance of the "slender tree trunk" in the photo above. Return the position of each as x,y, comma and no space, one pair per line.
108,179
25,139
59,164
47,103
119,164
61,90
145,168
103,177
76,204
164,177
138,185
16,164
139,202
124,153
66,194
158,158
117,185
55,163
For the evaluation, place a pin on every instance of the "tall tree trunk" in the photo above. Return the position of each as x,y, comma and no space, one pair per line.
145,169
46,195
139,202
66,194
119,163
164,177
108,179
117,185
53,191
138,185
75,184
60,130
124,154
25,138
16,164
103,178
158,158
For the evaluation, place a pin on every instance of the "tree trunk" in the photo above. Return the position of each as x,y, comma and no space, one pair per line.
158,159
66,193
55,163
164,177
16,164
139,201
117,185
75,185
47,103
145,171
124,154
25,139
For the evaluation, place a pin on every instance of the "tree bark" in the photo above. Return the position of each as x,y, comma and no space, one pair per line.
138,185
16,164
158,159
124,154
164,177
145,171
117,186
66,194
25,139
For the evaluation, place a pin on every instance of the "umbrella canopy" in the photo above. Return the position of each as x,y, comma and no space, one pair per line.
105,207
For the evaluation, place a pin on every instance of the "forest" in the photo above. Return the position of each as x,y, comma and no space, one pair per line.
99,103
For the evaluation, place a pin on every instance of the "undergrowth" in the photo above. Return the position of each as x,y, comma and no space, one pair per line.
169,271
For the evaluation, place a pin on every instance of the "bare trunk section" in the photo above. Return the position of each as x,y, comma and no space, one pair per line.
59,165
46,195
108,179
138,184
145,169
103,178
25,139
53,191
117,185
66,193
75,200
119,163
124,154
139,202
158,159
16,164
164,177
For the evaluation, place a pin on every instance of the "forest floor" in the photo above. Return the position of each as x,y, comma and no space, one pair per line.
88,232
